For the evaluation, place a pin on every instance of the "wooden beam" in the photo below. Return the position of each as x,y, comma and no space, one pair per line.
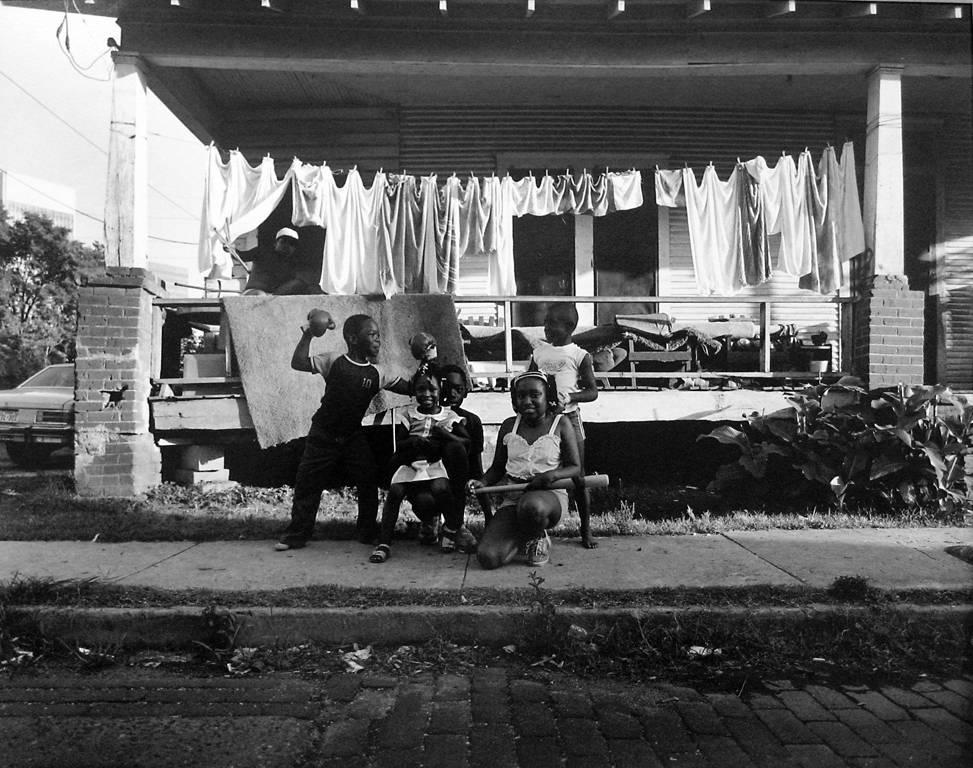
697,8
217,413
858,10
780,9
616,8
375,52
182,93
126,199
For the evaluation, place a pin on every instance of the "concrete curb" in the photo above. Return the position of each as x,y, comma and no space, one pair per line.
180,626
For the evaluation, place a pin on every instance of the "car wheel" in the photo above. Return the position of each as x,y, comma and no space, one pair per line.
28,456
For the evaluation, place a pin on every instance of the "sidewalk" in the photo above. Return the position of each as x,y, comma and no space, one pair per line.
908,558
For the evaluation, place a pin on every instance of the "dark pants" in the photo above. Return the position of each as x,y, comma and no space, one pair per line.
328,462
457,464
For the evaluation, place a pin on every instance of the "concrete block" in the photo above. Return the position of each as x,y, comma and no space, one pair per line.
189,477
202,458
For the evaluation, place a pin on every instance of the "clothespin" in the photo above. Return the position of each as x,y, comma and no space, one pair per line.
738,161
354,167
657,166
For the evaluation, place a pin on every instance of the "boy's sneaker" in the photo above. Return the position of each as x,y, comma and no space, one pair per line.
290,542
539,550
460,540
428,533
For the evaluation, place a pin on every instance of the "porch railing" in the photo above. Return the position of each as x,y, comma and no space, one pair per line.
505,304
210,310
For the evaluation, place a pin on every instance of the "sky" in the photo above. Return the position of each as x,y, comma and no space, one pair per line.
54,124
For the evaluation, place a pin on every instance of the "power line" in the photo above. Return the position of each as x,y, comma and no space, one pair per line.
89,141
55,114
83,213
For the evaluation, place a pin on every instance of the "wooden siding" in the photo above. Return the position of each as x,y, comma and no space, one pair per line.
463,139
955,254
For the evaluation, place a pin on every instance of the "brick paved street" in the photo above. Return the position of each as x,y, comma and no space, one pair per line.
486,718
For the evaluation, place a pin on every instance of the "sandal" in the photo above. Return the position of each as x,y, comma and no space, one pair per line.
380,554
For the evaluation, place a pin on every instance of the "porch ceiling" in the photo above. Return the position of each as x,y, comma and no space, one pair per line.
219,62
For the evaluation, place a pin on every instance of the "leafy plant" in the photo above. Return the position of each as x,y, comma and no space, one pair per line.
901,448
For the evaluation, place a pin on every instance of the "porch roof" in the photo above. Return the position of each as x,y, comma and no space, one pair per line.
222,65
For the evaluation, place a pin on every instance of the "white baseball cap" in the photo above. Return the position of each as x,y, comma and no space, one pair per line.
286,232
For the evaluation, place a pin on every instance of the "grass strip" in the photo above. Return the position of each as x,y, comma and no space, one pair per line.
47,508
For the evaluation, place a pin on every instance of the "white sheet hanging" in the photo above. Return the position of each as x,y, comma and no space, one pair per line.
397,236
236,199
817,215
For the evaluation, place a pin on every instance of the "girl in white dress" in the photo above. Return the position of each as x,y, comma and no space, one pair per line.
421,473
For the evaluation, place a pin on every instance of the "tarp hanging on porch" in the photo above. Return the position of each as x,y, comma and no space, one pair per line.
402,233
265,330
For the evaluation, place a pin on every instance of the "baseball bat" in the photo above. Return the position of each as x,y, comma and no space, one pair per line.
590,481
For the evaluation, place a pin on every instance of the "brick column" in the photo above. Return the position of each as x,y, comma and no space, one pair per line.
888,333
114,453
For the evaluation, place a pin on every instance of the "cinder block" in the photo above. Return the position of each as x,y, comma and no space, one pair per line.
188,477
202,458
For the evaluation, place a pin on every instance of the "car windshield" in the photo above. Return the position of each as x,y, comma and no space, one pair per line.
52,376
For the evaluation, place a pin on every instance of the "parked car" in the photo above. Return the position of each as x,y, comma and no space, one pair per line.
37,417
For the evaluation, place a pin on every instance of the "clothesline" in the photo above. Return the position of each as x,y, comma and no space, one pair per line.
403,233
817,215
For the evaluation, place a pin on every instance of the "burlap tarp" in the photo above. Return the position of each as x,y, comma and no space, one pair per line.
265,330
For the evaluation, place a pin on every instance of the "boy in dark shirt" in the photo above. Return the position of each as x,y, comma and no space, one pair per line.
454,385
336,440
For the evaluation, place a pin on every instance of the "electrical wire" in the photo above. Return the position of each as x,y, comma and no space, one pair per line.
85,214
65,45
87,140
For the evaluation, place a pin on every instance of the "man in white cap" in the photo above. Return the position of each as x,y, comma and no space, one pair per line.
278,272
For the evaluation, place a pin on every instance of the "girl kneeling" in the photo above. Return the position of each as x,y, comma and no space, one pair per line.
536,447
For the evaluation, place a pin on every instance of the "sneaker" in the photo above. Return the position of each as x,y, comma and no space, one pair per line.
428,533
461,540
289,542
539,550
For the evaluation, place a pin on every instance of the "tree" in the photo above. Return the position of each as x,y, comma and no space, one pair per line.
41,268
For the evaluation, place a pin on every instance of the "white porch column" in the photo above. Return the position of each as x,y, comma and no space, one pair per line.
126,199
884,184
584,266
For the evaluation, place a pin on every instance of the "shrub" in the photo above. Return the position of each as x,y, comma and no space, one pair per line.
898,449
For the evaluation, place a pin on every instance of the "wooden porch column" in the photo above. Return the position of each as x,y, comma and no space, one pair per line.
884,181
887,317
126,199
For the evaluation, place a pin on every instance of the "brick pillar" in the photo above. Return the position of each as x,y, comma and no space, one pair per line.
888,333
114,453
